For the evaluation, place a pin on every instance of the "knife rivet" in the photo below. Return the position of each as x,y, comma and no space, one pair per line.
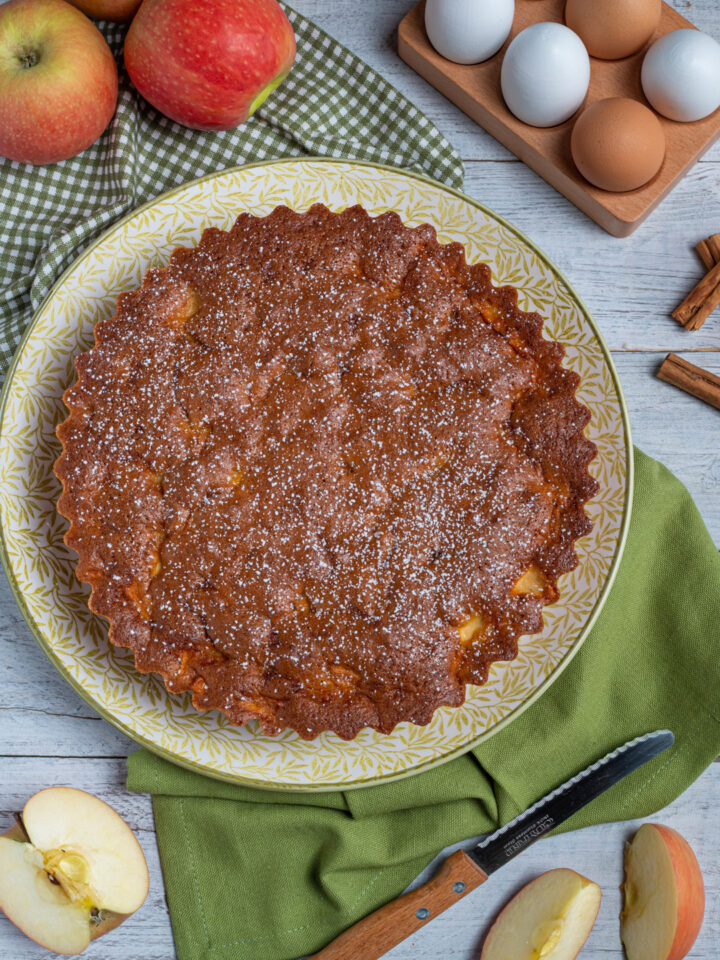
423,913
459,887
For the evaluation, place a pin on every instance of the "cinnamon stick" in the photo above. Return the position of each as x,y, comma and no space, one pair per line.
709,250
700,383
701,301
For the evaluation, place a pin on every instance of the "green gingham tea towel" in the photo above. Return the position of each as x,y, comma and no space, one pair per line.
331,104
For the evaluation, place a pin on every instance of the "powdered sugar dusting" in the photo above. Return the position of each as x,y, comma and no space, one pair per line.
306,452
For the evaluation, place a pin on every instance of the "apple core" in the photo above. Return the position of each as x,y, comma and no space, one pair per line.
547,936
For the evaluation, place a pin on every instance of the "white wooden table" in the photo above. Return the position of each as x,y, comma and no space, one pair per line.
48,735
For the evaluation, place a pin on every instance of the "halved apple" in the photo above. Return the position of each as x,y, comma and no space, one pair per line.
70,870
664,895
549,919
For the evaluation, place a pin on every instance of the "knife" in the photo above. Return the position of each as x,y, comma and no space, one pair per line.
463,871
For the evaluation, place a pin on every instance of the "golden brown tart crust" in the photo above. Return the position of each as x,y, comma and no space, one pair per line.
309,465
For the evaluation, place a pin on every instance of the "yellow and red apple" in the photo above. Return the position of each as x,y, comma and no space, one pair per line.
119,11
550,918
664,895
209,63
70,871
58,81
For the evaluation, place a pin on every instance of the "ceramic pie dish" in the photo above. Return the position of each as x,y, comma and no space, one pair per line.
41,568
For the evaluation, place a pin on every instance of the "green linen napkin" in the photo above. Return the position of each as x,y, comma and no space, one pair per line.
331,104
263,875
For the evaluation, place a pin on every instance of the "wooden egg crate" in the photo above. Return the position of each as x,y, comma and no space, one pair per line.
476,90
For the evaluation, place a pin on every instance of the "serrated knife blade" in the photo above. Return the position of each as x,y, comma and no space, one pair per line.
494,851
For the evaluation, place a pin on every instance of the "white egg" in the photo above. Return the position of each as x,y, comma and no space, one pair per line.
681,75
468,31
545,74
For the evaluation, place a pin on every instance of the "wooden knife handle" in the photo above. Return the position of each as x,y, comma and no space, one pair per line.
377,933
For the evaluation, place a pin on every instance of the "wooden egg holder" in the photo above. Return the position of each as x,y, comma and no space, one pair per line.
476,90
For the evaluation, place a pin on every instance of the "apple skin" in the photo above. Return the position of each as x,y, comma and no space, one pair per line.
689,889
59,106
208,64
119,11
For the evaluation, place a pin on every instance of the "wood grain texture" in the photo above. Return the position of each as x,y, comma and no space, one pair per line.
630,286
374,935
49,736
476,90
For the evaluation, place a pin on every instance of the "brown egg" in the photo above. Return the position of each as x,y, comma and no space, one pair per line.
618,144
612,29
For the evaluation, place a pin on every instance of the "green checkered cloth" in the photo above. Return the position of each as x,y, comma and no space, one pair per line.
331,104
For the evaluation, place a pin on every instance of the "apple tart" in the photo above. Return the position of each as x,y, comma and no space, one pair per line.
322,473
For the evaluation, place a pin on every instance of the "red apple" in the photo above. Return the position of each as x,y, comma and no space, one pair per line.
664,895
58,81
209,63
551,917
118,10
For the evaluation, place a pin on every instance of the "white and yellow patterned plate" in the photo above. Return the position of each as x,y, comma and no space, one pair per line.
41,568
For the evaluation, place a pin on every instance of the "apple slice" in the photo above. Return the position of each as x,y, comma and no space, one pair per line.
549,919
664,895
74,871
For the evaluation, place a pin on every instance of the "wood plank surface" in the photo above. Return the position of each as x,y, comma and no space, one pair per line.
455,935
49,736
